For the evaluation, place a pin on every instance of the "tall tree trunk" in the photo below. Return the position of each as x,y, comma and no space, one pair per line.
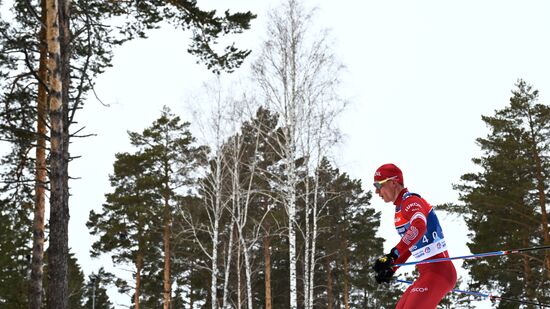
314,233
214,278
346,274
215,236
330,295
227,270
166,238
65,43
292,235
37,272
58,292
308,257
293,125
139,267
247,272
59,179
240,290
267,269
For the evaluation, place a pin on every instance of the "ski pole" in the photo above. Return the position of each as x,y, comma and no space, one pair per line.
474,256
490,296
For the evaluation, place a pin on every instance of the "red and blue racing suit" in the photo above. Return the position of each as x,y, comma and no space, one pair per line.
422,237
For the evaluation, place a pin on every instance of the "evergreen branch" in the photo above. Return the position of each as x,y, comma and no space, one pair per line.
34,14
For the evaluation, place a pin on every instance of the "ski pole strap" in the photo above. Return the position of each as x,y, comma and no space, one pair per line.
474,256
489,296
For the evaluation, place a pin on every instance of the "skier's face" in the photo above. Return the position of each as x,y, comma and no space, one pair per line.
387,190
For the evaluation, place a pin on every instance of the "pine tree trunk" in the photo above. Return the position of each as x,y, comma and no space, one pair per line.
57,294
65,42
330,295
166,238
139,267
267,270
346,274
37,272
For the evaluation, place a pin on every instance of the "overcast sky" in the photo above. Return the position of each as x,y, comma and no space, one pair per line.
419,76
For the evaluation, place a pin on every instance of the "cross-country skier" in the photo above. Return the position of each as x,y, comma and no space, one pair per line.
421,237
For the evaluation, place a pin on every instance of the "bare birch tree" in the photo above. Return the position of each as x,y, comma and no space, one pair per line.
323,105
229,190
215,130
298,75
250,148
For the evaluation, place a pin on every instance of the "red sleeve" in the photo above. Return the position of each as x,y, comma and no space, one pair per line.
415,210
403,257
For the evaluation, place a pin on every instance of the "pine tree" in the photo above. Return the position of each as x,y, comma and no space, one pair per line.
14,254
96,290
128,226
504,203
16,200
169,146
76,285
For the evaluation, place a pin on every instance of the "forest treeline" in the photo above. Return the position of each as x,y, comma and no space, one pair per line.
250,211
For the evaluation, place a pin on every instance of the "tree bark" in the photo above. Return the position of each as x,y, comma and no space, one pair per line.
57,294
240,290
330,295
346,274
167,291
139,267
291,208
267,270
37,272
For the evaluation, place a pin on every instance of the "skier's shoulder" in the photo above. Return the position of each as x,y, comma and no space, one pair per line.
413,202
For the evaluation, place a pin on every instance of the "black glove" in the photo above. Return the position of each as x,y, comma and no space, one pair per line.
384,275
383,266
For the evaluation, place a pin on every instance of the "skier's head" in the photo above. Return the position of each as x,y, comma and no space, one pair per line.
388,181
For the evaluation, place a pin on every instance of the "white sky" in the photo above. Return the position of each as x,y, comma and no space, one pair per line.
419,76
